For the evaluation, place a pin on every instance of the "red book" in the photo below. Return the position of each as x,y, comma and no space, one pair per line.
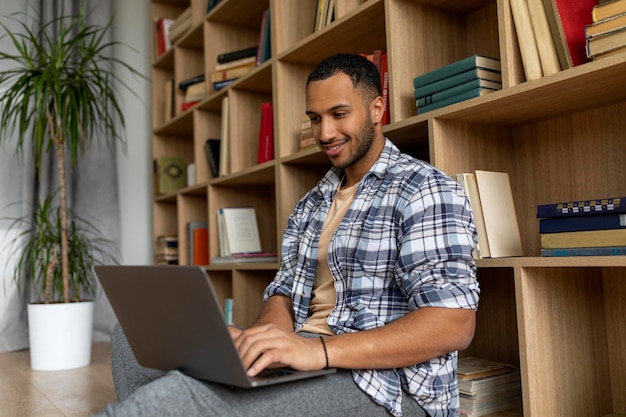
201,246
567,19
384,80
266,134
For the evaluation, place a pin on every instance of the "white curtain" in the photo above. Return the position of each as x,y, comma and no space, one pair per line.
93,191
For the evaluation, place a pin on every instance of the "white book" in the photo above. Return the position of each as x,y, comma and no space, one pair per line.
469,184
239,230
499,214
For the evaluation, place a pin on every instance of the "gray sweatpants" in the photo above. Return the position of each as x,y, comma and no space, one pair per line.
148,392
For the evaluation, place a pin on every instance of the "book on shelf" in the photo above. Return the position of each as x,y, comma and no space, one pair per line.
582,207
610,53
230,74
583,239
588,251
225,140
605,26
306,133
265,150
238,230
581,223
499,213
191,174
526,40
476,92
229,312
457,67
469,184
249,61
264,51
604,10
162,39
222,84
180,26
196,89
457,89
212,154
198,241
237,54
546,46
170,174
166,249
187,82
379,58
324,14
472,367
270,257
599,45
567,19
186,105
469,75
168,98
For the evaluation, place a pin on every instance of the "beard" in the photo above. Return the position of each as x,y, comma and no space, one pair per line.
363,142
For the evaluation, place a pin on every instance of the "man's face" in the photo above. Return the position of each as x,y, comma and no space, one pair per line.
341,122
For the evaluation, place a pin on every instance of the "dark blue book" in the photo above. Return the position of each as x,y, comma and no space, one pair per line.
582,208
472,62
472,74
477,92
599,251
581,223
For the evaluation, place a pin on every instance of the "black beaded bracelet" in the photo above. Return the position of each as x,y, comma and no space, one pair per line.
325,351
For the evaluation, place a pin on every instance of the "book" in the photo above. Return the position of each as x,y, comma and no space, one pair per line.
228,312
457,79
607,9
212,154
237,54
320,14
476,92
582,207
458,67
546,47
170,174
499,213
567,19
184,84
605,43
249,61
269,257
583,239
163,27
580,223
605,26
225,140
589,251
384,79
472,367
306,133
222,84
609,53
457,89
264,51
166,249
168,98
229,74
238,230
526,40
198,242
469,184
265,150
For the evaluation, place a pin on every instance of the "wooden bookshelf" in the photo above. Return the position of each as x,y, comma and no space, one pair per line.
562,320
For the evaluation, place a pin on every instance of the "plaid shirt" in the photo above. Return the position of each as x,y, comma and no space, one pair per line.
405,243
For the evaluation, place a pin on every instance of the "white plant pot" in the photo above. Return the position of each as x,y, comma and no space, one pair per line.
60,335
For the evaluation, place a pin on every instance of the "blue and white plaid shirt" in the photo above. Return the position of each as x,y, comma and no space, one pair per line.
405,243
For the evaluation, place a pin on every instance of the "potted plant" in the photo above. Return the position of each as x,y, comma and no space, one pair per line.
57,96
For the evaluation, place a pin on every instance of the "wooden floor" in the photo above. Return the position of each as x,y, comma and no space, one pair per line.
74,393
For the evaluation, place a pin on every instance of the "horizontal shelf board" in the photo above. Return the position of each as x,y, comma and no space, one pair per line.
346,35
591,85
246,13
166,60
259,80
407,131
182,124
553,261
263,174
194,38
308,156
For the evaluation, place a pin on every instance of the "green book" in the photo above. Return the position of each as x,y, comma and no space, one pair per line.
472,62
480,91
457,89
170,173
457,79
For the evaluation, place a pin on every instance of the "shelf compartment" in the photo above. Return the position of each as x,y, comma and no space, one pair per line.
248,289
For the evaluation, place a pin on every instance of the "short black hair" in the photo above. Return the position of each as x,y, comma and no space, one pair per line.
362,72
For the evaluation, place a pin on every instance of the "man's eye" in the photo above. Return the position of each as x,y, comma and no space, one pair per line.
315,119
340,114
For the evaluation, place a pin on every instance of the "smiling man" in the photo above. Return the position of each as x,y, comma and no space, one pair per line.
376,279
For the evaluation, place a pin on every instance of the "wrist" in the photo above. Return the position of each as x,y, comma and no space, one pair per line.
325,351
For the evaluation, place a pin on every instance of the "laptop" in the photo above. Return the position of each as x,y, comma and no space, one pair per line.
173,320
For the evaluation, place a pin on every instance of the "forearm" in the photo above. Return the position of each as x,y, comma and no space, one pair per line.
419,336
277,310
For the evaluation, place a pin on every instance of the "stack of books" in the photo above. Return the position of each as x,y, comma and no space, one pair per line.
193,90
470,77
162,35
232,65
486,386
583,228
166,250
606,36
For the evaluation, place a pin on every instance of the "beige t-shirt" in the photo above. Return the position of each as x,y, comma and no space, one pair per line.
324,295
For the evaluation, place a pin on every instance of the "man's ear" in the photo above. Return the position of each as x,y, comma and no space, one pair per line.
377,109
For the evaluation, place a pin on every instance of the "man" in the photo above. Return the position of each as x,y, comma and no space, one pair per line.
376,279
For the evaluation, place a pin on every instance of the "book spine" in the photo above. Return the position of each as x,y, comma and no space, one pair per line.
571,224
545,44
445,71
456,80
221,84
583,207
606,251
454,99
190,81
587,238
458,89
238,54
526,39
